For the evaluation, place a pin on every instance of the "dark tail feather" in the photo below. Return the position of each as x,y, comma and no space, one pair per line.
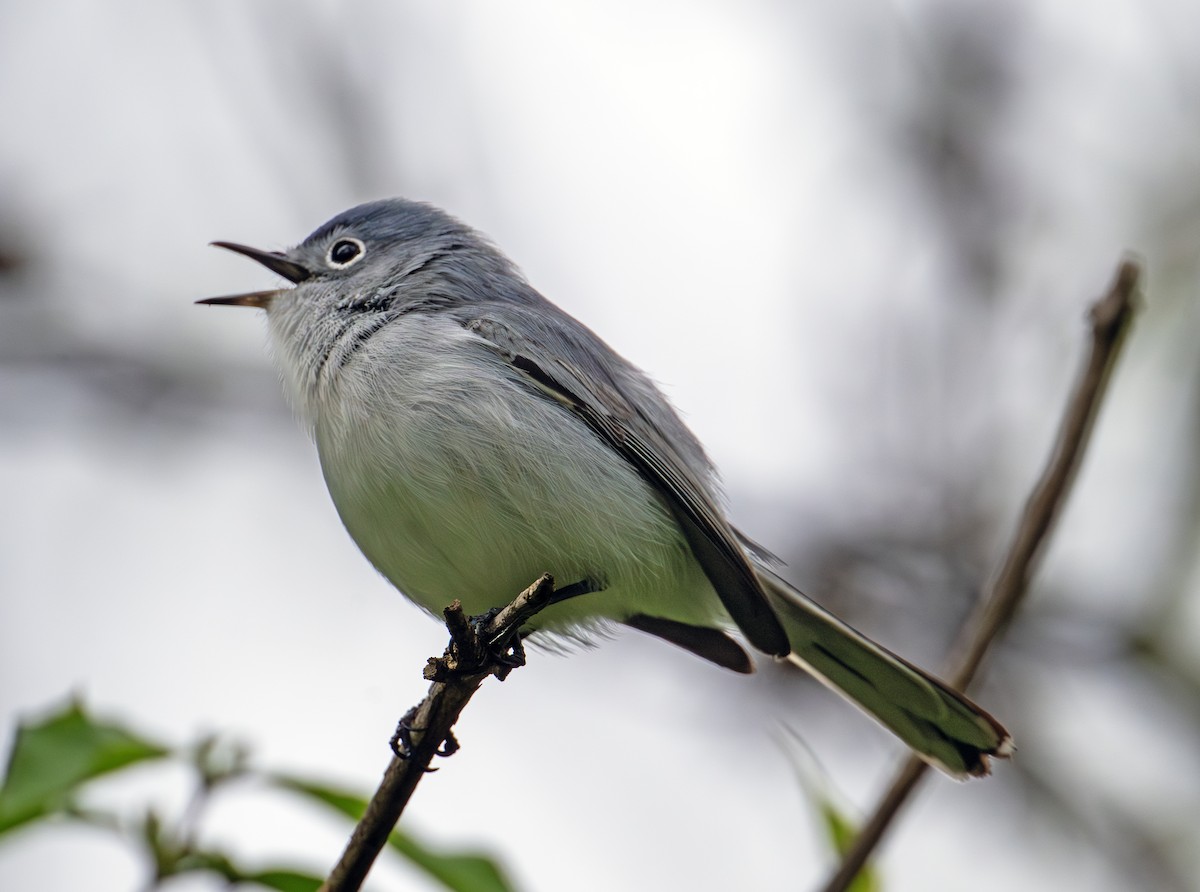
710,644
941,725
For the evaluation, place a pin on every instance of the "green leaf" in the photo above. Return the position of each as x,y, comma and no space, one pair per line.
464,872
840,830
53,757
284,880
460,872
348,804
838,827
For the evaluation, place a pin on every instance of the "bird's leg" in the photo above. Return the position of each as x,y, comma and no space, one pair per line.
508,651
505,651
575,589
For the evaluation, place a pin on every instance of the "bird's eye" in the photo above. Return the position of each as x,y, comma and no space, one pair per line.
344,252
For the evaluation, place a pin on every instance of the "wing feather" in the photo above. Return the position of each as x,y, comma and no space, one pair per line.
600,400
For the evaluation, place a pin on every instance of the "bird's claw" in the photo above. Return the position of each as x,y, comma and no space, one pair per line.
402,741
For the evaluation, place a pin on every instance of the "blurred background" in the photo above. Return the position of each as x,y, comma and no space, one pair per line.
854,241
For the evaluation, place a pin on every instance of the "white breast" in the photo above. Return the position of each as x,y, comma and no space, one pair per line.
458,480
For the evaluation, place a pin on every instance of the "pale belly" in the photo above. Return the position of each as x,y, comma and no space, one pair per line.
472,491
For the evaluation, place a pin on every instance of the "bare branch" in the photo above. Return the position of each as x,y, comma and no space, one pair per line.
472,655
1110,319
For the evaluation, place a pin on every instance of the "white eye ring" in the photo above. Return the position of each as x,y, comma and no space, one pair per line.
344,252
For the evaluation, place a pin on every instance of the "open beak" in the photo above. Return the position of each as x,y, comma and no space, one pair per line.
272,260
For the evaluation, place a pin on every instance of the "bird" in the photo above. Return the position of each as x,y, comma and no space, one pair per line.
473,436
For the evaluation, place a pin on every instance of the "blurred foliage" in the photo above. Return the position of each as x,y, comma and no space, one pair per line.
840,829
937,519
459,871
54,758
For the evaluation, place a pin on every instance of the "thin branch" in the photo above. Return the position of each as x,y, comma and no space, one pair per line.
425,731
1110,319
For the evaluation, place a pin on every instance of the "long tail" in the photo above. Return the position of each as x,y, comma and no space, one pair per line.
941,725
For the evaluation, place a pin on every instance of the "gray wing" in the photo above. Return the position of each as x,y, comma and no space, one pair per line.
566,361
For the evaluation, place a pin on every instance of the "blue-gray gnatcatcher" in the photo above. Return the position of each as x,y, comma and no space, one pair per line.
474,436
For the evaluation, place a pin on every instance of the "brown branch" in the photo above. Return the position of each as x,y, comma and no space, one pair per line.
425,731
1110,319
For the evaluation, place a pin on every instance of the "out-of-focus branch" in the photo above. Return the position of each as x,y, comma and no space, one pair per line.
1110,319
472,655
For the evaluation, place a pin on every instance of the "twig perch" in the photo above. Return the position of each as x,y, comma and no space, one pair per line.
1110,319
472,655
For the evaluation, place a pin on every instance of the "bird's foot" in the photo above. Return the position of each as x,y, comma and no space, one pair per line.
402,741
